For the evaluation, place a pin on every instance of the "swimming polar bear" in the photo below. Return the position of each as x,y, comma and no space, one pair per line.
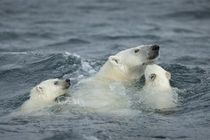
44,94
129,64
157,92
106,91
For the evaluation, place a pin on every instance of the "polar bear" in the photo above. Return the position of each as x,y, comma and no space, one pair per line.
157,92
106,91
129,64
44,94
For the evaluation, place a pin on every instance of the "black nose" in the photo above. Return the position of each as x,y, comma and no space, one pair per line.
155,47
68,81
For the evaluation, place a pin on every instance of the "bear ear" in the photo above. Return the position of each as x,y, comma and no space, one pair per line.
152,76
168,75
114,60
39,89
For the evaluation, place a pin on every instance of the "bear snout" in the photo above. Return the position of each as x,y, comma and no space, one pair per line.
154,52
155,47
68,83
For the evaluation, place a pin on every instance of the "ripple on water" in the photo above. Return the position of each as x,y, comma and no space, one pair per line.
194,89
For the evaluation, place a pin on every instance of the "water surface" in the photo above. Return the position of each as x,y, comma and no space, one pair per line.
72,39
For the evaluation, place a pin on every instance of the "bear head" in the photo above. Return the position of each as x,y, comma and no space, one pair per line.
130,64
49,90
157,77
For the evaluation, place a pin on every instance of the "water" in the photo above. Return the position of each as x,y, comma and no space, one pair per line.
72,39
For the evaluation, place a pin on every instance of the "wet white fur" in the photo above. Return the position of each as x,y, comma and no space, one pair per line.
105,92
126,65
43,94
157,92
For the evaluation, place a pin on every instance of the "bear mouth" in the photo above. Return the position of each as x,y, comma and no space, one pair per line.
67,84
151,58
154,55
148,63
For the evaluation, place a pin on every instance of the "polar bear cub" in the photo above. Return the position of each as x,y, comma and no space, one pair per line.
45,93
157,91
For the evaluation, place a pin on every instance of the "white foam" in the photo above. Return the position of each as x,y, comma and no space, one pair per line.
71,54
87,67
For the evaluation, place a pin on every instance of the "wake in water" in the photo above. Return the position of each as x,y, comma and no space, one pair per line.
100,97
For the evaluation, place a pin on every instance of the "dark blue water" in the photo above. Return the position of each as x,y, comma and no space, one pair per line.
72,39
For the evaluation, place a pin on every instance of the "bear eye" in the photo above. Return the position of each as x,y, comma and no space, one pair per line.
152,76
136,50
56,82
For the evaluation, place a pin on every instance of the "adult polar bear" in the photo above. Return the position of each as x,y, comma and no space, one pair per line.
105,91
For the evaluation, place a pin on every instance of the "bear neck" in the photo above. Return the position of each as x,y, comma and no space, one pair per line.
33,105
158,85
113,73
137,72
42,99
